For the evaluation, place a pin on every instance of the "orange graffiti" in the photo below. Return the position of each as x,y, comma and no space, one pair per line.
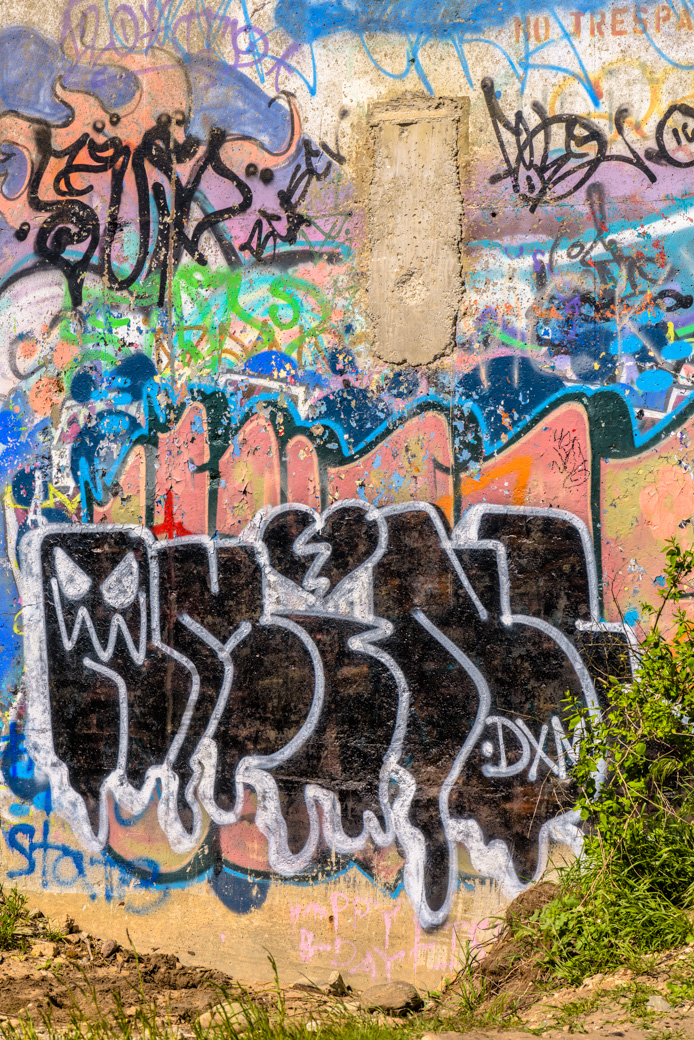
521,467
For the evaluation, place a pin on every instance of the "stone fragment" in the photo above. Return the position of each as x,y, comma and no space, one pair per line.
657,1003
593,981
65,924
44,949
446,1035
108,948
392,997
73,939
304,983
336,985
220,1014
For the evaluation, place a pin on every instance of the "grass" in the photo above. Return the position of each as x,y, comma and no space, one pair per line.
13,914
18,925
606,916
138,1017
257,1023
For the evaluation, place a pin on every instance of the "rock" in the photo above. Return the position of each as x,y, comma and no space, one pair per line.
657,1003
336,985
311,1026
392,997
73,939
44,949
592,981
65,924
444,1036
220,1014
305,984
108,948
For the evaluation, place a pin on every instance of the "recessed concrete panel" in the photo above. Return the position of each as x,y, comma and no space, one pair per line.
415,279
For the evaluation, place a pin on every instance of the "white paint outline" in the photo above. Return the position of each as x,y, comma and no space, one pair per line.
352,598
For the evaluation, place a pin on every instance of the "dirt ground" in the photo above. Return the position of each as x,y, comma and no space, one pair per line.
80,976
77,976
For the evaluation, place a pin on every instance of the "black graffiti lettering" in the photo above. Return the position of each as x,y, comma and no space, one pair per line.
214,594
117,696
668,137
352,679
161,190
289,199
70,222
536,178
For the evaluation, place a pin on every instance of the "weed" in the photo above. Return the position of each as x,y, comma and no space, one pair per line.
52,933
631,893
13,914
575,1013
636,996
680,985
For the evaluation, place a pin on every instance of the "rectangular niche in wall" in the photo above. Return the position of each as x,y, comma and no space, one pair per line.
415,280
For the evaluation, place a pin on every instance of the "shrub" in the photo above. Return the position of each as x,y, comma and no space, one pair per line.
631,892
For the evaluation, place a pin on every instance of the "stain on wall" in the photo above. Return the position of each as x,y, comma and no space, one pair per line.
346,406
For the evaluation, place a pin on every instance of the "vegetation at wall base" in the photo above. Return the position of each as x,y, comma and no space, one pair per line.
631,893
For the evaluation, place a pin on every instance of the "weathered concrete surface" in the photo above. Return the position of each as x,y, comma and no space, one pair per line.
368,306
416,227
368,936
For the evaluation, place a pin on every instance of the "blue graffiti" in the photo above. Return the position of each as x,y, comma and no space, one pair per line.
34,96
309,20
21,838
224,97
20,773
239,893
99,449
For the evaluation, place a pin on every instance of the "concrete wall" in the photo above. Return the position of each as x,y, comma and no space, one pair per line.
344,353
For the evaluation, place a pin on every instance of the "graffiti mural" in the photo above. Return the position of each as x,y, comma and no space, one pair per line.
346,404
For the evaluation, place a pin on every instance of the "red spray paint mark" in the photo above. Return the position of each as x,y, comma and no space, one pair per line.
170,528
